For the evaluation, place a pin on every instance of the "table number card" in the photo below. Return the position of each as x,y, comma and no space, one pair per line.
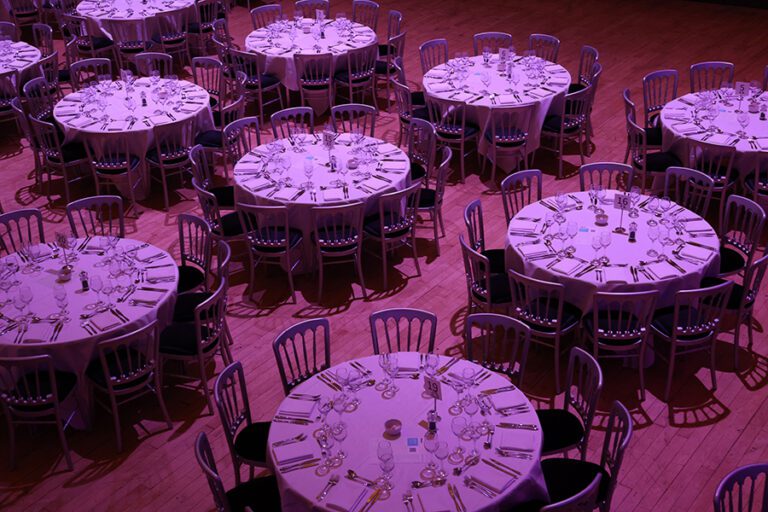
433,387
503,54
622,202
742,88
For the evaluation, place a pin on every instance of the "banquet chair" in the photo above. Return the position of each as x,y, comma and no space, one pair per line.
259,493
10,32
170,156
315,76
609,175
709,76
209,74
33,390
567,477
201,29
583,501
403,330
689,188
284,121
395,224
485,290
593,82
147,62
567,125
265,15
22,119
195,247
127,368
172,38
562,429
270,240
618,327
422,149
214,142
431,199
353,116
659,88
199,341
308,8
24,13
473,220
365,12
10,87
740,235
584,76
85,71
222,35
17,229
394,27
70,55
337,232
545,46
203,172
40,99
257,82
88,45
690,325
433,53
184,309
717,162
630,113
359,74
247,445
507,135
69,160
96,216
520,189
452,128
740,490
385,68
417,97
542,306
302,350
42,36
113,165
239,138
648,165
49,69
407,111
491,40
129,42
501,344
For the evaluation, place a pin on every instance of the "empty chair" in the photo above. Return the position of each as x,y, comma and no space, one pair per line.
353,117
256,494
366,13
431,199
315,76
23,121
222,38
406,110
69,160
170,156
113,165
266,15
338,237
394,26
433,53
284,122
492,41
42,36
171,37
9,31
359,74
49,69
97,216
689,188
226,227
485,290
756,184
659,88
568,125
85,71
739,490
147,62
247,439
544,46
717,162
740,235
200,31
203,172
302,350
450,121
630,114
690,325
473,220
422,148
10,86
208,73
609,175
417,97
507,135
19,228
587,59
217,142
648,165
501,344
240,138
257,82
40,99
520,189
403,330
708,76
129,40
89,45
385,68
184,309
309,8
195,248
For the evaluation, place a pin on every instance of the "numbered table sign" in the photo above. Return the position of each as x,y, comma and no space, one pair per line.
433,388
742,88
622,202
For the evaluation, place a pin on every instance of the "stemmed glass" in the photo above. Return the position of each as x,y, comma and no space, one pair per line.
743,119
384,362
596,245
60,295
573,230
664,241
634,198
392,370
605,242
108,289
486,56
653,207
308,171
592,191
485,78
441,452
339,433
458,427
430,442
561,200
96,285
387,464
653,235
562,235
22,302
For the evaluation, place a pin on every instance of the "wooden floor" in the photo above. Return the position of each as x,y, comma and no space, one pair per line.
680,450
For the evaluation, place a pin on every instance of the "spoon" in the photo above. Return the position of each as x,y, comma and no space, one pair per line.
354,476
333,481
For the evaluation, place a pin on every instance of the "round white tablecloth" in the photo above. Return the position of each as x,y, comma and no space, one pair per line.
547,93
136,20
278,52
389,171
365,426
680,123
22,57
75,345
522,252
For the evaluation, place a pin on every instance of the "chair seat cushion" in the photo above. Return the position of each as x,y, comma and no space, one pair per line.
503,137
225,196
737,292
427,198
98,43
340,238
653,136
105,166
184,310
230,225
72,152
553,122
568,477
610,319
497,260
658,162
372,226
277,234
210,139
179,158
571,315
343,77
189,278
381,67
663,322
197,28
264,81
251,442
731,260
454,132
115,362
65,383
762,183
418,99
575,87
500,292
386,49
258,494
179,339
560,429
418,172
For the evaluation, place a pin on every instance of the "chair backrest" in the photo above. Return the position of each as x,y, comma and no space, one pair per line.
10,85
442,175
365,12
697,313
740,490
576,107
395,48
241,137
611,175
42,35
659,88
422,143
742,226
708,76
27,383
394,23
112,157
40,99
314,70
587,58
223,259
9,32
753,277
433,53
231,396
477,270
538,303
266,15
637,143
403,102
448,116
520,189
97,216
714,160
221,34
398,210
618,434
501,343
361,63
338,229
127,361
265,227
195,242
404,330
208,11
49,69
689,188
23,119
545,46
586,500
397,62
46,137
207,463
202,170
173,142
302,351
583,384
302,118
308,8
491,40
208,73
473,220
211,320
85,71
232,110
19,228
630,110
622,317
146,62
353,116
511,125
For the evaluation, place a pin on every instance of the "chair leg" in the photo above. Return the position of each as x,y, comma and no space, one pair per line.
440,218
736,340
640,368
712,372
560,160
435,227
384,261
11,440
557,364
116,421
359,265
204,384
63,441
290,282
461,155
413,249
670,373
320,279
165,187
161,400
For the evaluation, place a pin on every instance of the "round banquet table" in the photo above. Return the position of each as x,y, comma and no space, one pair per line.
129,20
698,258
365,426
261,180
547,92
274,44
22,57
680,122
105,117
74,347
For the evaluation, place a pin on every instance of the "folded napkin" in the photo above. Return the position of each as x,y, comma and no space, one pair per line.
346,495
285,194
333,194
616,274
436,73
298,407
687,128
522,226
158,119
463,96
763,143
408,361
558,82
67,110
159,273
36,332
256,184
697,225
662,270
80,121
440,87
388,148
293,452
74,97
105,321
494,479
538,92
676,116
505,99
143,82
566,265
530,250
435,499
696,253
520,440
375,184
507,399
720,138
146,296
117,125
275,50
145,254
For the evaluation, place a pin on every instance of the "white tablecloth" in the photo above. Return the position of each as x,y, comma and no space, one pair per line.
20,56
548,94
253,187
299,489
278,53
617,277
135,20
679,125
75,347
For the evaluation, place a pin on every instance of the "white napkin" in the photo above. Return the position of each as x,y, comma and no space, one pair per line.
159,273
696,253
408,361
256,184
143,254
74,97
493,479
293,452
566,265
105,321
440,87
676,116
436,73
662,270
720,138
463,96
763,143
558,82
298,407
158,119
375,184
530,250
435,499
285,193
538,92
63,111
333,194
146,296
698,225
506,99
521,440
687,128
275,50
346,495
117,125
616,274
522,226
506,399
36,332
80,122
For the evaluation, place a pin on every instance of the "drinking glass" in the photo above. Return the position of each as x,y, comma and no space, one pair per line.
573,230
442,452
458,427
653,235
60,295
561,200
605,242
96,284
634,198
339,432
430,364
386,463
562,235
308,171
392,370
384,362
26,296
108,289
486,56
596,245
430,442
743,119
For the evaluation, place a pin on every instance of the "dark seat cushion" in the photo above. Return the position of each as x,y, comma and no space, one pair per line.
153,158
658,161
568,477
251,442
427,198
210,139
762,183
496,259
122,359
225,195
340,237
103,166
264,81
98,43
606,319
560,429
418,99
731,260
386,49
575,87
230,225
184,310
571,314
189,278
418,172
500,292
450,131
343,77
294,237
553,122
372,225
653,136
197,28
258,494
179,339
503,136
663,320
65,383
72,152
64,75
737,292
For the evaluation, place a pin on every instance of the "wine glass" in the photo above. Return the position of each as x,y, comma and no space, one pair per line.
561,200
596,245
386,456
60,295
573,230
96,284
108,289
549,219
384,361
308,171
430,442
664,240
605,242
653,205
485,78
430,364
339,433
458,427
743,119
486,56
392,370
653,235
562,235
25,297
634,198
441,452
